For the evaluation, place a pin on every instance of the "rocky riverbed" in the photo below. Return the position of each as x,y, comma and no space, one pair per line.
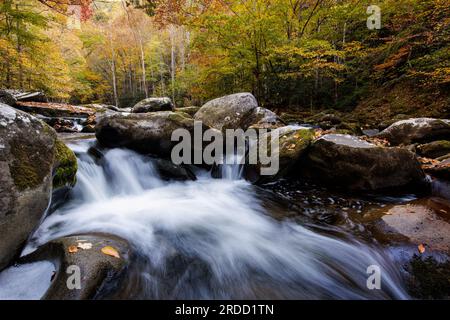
342,201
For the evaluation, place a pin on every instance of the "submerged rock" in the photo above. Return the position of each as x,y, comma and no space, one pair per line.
348,162
421,225
148,133
153,105
229,112
100,271
418,130
29,153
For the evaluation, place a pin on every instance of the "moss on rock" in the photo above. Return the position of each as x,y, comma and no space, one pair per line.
66,166
28,169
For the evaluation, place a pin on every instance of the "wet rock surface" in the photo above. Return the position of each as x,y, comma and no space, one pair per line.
100,269
145,132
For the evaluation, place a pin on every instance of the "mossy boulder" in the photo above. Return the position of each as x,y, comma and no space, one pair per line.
29,153
65,166
348,162
293,143
434,149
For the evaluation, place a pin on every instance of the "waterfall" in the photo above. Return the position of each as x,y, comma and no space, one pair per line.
210,238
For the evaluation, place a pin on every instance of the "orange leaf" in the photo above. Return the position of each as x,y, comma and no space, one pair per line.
73,249
421,248
110,251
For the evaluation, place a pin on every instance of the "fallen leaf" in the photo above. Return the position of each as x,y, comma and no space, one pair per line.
73,249
421,248
85,246
110,251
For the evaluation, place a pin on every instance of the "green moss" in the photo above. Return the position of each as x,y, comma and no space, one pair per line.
66,166
30,165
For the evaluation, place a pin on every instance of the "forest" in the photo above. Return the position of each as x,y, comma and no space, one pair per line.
296,55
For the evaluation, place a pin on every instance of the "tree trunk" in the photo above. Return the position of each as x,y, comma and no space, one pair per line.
113,67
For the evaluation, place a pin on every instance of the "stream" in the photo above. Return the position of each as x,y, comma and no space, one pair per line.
204,239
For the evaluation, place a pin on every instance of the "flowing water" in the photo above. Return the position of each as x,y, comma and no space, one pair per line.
208,238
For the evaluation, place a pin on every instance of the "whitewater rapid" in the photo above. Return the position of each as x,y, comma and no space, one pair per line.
207,239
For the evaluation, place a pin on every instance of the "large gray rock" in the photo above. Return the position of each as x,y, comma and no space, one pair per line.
29,155
263,118
420,130
348,162
229,112
100,273
153,105
148,133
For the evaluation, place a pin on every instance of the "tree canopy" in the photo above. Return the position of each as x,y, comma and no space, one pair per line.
290,53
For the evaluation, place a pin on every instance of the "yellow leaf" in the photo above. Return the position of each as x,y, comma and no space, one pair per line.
110,251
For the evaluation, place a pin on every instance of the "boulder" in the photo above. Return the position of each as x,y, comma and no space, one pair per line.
169,171
100,272
435,149
7,98
148,133
230,112
293,143
348,162
29,155
263,118
418,130
153,105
